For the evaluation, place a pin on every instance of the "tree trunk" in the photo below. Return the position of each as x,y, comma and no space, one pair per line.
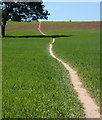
3,30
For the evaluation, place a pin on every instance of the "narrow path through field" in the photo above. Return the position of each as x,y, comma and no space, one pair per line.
91,109
39,29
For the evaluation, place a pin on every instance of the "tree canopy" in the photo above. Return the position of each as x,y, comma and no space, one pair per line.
22,11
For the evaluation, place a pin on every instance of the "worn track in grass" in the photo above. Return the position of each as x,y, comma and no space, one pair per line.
90,107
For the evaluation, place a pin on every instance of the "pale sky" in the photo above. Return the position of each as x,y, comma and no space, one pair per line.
75,11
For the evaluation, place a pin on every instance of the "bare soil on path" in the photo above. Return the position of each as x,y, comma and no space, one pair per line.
91,109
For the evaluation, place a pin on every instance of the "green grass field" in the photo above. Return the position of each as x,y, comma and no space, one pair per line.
82,52
34,85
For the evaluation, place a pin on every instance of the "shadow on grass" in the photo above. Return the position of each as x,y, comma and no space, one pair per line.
39,36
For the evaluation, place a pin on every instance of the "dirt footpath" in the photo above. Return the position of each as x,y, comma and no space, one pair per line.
91,109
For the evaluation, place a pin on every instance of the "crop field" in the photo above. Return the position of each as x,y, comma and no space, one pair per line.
81,51
34,85
22,28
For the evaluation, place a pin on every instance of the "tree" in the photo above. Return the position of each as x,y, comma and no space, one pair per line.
22,11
